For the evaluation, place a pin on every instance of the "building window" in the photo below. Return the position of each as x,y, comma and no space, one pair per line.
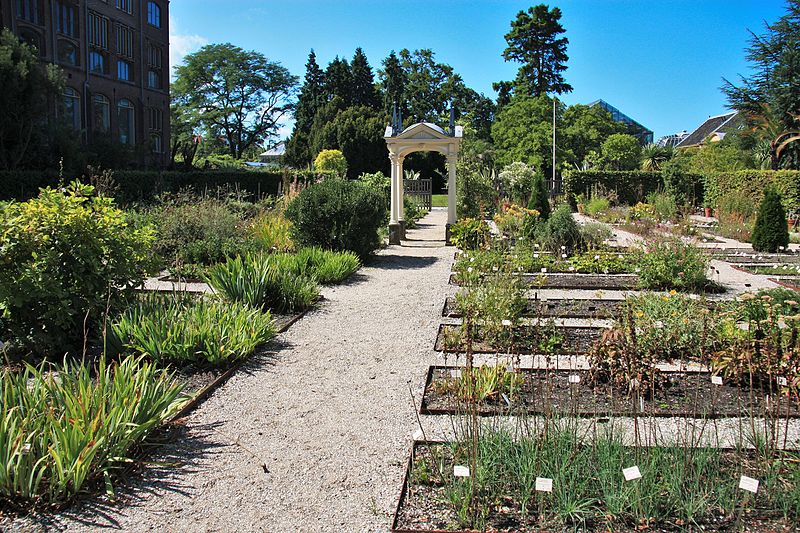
67,53
125,5
66,19
124,41
97,62
154,79
124,70
154,62
32,39
156,119
156,144
125,120
101,114
98,30
72,108
153,14
31,11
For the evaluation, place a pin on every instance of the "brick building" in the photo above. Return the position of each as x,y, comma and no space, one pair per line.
115,56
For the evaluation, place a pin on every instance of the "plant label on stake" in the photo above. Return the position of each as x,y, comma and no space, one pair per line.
418,434
461,471
631,473
455,374
574,378
782,381
716,380
749,484
544,484
506,399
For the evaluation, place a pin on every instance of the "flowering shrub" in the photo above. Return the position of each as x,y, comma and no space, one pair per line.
673,264
470,234
516,221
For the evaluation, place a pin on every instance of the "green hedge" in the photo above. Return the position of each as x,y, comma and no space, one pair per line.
752,183
631,186
143,185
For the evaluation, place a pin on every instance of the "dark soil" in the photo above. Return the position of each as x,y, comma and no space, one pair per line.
577,281
687,394
595,308
528,339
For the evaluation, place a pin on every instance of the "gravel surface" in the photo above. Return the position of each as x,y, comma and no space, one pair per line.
314,438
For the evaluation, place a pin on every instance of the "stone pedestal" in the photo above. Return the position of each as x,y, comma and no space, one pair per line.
402,229
395,233
447,235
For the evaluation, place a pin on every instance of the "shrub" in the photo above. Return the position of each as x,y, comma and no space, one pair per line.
594,234
672,264
63,257
338,215
331,161
470,234
664,205
752,183
629,186
181,331
198,231
684,186
258,281
59,437
476,195
325,266
518,179
735,210
560,231
540,198
596,205
770,232
515,221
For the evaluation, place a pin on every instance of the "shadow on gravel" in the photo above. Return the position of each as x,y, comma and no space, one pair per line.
401,262
166,458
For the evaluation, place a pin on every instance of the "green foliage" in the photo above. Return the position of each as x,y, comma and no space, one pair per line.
664,205
476,195
653,157
63,257
61,436
357,132
470,234
621,151
535,41
770,232
170,330
495,306
338,215
540,198
272,231
233,93
682,182
262,282
673,265
28,86
331,161
735,210
325,266
753,183
583,132
523,131
598,204
630,187
517,179
562,233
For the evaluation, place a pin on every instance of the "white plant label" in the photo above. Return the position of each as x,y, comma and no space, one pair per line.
506,399
455,374
461,471
716,380
574,378
782,381
418,435
544,484
631,473
749,484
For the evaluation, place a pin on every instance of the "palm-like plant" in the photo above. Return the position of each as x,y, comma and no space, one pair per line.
654,156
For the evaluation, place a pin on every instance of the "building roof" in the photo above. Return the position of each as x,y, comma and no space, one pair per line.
276,151
644,133
719,124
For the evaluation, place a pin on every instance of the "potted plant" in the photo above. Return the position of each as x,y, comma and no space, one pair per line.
580,201
708,210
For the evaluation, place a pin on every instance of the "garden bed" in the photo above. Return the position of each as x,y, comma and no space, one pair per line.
768,269
426,500
576,281
526,340
788,282
687,394
591,308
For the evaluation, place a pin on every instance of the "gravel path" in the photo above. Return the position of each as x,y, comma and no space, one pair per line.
316,436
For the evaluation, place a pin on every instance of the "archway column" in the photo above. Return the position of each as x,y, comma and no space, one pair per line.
401,195
395,233
451,194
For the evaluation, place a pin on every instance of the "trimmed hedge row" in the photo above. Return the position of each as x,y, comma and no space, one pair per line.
752,183
136,185
631,186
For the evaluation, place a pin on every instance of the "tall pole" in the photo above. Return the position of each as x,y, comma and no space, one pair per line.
553,182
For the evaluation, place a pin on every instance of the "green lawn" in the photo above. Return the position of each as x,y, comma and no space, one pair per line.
439,200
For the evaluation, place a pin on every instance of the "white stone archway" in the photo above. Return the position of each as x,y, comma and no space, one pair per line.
420,137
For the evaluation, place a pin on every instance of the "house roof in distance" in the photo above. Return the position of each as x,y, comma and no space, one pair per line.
719,124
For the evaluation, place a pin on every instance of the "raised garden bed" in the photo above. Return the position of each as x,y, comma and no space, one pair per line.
592,308
576,281
425,504
527,339
788,282
687,394
769,269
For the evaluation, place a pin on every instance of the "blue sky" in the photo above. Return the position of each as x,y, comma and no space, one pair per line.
662,63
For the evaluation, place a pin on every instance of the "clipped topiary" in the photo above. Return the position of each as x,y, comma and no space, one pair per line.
770,232
540,198
338,215
562,230
331,161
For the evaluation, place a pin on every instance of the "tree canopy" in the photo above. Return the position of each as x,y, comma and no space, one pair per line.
237,95
536,42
